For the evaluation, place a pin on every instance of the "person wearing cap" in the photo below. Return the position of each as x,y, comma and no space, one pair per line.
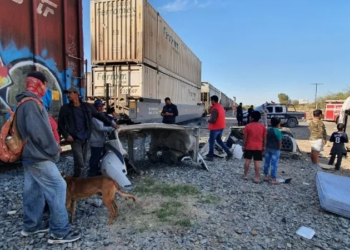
98,139
75,125
42,180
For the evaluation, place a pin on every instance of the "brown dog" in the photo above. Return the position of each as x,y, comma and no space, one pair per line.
81,188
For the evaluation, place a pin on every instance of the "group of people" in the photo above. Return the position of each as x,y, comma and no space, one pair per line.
239,114
80,124
261,141
84,125
318,139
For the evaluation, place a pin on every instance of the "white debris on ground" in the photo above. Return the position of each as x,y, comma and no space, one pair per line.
186,207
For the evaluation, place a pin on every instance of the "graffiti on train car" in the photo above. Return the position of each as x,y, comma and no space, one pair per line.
16,63
43,9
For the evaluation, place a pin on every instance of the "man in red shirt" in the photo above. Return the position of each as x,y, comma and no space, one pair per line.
254,144
217,123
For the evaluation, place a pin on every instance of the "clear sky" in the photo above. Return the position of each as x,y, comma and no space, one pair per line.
256,49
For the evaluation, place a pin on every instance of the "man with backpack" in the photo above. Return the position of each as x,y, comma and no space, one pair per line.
42,180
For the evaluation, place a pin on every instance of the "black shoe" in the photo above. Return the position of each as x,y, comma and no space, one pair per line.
70,237
229,156
209,158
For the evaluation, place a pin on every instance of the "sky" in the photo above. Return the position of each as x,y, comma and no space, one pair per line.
256,49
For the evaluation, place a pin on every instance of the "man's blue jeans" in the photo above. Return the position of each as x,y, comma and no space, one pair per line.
215,135
43,181
272,157
96,155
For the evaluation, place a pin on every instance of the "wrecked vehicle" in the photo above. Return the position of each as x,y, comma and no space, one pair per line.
289,144
234,140
167,143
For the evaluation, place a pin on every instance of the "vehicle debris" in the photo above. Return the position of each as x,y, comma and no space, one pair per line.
168,143
306,232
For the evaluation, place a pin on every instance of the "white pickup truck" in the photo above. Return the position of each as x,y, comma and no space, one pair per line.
285,112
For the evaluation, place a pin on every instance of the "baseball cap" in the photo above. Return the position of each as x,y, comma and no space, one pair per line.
98,103
38,75
71,89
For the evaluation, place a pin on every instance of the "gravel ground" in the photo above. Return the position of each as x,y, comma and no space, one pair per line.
185,207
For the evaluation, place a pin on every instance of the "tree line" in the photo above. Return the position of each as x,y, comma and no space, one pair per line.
321,100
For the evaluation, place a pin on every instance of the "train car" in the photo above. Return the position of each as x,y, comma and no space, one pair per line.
143,61
208,90
45,36
139,91
224,100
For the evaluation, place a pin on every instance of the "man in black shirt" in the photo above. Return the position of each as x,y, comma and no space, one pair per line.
169,112
239,115
75,124
250,111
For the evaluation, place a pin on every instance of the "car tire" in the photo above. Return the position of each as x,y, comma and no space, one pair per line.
292,123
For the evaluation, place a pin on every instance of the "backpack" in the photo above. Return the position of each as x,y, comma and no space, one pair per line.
11,142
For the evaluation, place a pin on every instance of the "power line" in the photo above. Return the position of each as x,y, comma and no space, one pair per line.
316,92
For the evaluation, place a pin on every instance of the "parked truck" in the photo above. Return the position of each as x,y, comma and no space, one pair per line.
285,112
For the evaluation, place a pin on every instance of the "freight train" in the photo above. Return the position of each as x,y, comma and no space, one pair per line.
208,90
142,61
138,60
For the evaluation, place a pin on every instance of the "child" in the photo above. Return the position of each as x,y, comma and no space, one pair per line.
273,150
318,136
254,144
338,150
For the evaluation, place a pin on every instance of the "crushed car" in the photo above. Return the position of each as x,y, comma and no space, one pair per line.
160,142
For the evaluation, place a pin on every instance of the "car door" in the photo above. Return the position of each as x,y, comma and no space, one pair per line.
280,112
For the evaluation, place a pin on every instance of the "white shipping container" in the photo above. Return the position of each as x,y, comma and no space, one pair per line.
132,31
141,81
209,88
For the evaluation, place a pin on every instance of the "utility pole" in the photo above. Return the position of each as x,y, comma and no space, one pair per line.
316,92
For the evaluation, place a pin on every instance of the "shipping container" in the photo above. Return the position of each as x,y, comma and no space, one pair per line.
224,100
45,36
147,88
132,31
208,90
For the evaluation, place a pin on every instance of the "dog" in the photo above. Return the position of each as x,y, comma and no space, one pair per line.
82,188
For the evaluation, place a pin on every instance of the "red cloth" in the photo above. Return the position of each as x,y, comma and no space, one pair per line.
254,133
220,120
35,86
54,127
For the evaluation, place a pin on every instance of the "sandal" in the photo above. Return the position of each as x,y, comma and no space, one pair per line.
245,178
273,182
256,182
267,178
